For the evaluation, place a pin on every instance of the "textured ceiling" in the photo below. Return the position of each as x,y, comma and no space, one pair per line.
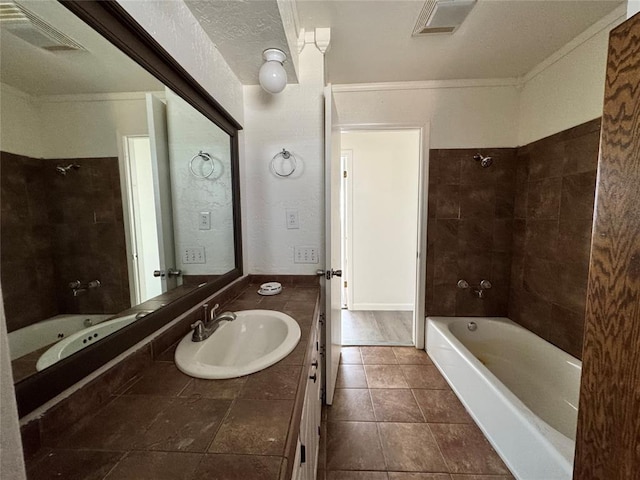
102,68
371,40
242,30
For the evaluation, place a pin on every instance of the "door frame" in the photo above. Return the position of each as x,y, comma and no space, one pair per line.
421,241
347,199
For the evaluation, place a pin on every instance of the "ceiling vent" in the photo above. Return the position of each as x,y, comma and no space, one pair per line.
442,16
32,29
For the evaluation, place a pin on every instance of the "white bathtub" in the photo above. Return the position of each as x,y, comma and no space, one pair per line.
79,340
46,332
521,390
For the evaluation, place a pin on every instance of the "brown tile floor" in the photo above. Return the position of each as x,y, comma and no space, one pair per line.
394,417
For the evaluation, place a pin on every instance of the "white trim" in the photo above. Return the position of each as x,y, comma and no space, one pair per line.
428,84
394,307
347,245
97,97
323,39
419,322
614,18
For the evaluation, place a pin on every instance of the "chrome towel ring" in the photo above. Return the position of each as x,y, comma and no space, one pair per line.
205,157
286,155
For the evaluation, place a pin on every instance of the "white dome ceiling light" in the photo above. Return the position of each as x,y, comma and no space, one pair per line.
272,76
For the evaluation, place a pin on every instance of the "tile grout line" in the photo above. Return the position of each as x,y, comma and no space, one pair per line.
122,457
226,415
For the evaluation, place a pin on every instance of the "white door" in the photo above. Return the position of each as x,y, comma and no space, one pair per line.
333,254
141,212
157,122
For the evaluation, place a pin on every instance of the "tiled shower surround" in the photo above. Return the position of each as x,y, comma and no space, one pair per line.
56,229
469,230
555,186
524,224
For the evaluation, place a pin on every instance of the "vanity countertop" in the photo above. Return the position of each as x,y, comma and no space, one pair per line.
166,425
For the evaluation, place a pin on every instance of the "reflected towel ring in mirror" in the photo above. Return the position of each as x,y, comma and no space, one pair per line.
205,157
286,156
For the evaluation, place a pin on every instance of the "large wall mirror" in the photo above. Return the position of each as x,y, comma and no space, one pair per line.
119,190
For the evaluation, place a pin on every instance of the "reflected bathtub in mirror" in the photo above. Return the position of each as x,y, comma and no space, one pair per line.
94,184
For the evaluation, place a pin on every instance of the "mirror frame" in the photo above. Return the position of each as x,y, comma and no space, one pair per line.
115,24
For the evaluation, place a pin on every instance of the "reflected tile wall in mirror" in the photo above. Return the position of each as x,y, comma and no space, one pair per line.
80,107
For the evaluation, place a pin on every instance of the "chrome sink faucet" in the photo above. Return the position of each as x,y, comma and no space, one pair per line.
210,322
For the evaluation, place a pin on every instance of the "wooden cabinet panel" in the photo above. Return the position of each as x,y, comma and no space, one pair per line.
608,438
306,465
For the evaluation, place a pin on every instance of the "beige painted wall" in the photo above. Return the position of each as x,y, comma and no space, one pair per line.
70,126
460,116
20,122
567,89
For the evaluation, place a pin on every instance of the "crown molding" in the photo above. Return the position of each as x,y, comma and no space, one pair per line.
97,97
428,84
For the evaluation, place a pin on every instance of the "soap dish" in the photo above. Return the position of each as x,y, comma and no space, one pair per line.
270,288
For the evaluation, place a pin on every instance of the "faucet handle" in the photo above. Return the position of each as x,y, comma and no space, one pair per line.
213,314
198,324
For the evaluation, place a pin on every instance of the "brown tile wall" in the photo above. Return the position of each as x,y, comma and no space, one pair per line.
26,248
469,230
555,186
56,229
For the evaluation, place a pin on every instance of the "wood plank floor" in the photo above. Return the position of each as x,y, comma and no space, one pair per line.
377,327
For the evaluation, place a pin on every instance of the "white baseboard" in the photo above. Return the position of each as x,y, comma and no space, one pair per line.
396,307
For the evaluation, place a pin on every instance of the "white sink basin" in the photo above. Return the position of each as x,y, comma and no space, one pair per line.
255,340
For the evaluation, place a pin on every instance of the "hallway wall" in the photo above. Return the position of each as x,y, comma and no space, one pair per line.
384,178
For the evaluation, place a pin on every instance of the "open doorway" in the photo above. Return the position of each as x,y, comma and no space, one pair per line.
380,230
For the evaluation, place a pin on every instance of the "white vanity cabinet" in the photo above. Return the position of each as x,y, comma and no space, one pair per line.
306,459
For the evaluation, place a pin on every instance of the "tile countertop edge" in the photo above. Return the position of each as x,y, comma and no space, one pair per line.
286,469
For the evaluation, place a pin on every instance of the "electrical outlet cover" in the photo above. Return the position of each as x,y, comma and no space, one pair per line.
193,255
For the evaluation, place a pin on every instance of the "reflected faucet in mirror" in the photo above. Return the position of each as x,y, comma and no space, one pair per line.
84,198
79,288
